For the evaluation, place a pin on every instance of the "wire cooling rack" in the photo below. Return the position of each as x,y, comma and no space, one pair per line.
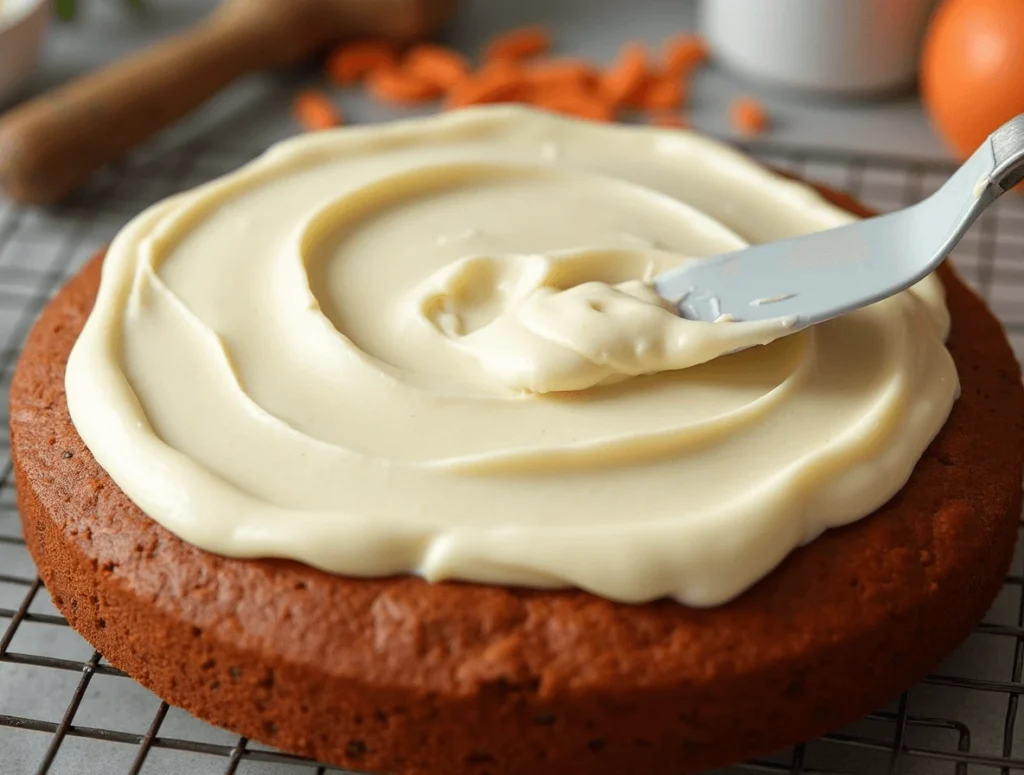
64,709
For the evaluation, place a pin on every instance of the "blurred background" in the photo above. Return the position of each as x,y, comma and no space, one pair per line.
830,75
883,117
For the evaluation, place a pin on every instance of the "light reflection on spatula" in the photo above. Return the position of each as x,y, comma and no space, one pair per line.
819,276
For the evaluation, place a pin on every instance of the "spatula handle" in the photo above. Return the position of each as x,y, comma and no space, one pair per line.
53,143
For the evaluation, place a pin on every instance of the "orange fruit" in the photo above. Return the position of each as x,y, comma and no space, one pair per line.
972,69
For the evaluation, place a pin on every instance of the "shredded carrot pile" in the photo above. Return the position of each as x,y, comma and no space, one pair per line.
517,66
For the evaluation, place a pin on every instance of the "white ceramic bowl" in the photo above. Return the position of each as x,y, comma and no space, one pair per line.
841,47
22,25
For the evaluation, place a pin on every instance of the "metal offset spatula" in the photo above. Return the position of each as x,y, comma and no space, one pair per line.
813,278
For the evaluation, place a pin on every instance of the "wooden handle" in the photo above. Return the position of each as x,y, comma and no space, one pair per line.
53,143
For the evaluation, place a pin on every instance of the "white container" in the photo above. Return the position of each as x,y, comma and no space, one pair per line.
841,47
22,25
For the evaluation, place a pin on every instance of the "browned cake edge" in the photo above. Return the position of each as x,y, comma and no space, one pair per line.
404,676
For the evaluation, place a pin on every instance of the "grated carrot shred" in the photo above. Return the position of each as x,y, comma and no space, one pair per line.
498,81
748,116
443,67
624,81
349,63
397,87
684,53
664,93
315,112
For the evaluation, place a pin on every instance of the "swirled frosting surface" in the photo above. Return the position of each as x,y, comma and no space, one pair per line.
433,347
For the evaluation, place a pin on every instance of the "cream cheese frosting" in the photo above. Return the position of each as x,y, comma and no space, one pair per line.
432,347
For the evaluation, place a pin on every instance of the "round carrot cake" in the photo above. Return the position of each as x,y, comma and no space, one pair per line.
385,450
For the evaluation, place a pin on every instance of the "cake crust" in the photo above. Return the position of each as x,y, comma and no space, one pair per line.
404,676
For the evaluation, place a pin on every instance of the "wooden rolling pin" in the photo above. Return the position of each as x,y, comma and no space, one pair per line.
52,144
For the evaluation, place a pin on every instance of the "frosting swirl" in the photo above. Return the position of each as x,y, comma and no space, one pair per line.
432,347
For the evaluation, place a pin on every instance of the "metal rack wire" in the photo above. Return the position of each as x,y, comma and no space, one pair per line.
62,707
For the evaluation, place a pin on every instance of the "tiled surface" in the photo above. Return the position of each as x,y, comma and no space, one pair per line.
63,710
